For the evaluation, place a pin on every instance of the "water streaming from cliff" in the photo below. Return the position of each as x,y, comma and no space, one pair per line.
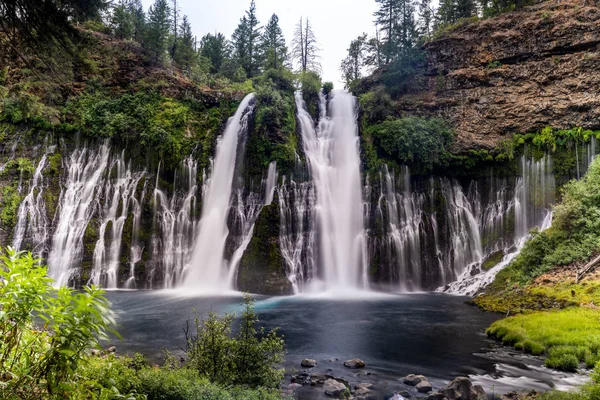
77,204
118,194
174,226
332,154
207,269
32,218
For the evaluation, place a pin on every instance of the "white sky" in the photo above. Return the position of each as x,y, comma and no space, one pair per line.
335,22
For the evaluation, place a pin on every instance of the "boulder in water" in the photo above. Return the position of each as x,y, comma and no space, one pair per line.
335,388
354,363
413,379
308,363
424,387
462,388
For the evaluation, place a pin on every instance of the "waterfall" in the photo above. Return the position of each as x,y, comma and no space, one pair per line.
270,183
207,266
32,219
77,205
118,194
137,248
297,237
533,197
174,226
332,154
245,212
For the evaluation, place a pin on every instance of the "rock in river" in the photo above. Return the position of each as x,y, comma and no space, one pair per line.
413,379
424,387
308,363
334,388
354,363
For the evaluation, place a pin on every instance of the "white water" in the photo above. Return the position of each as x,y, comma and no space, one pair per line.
332,153
77,205
270,183
207,270
32,218
136,249
119,194
174,226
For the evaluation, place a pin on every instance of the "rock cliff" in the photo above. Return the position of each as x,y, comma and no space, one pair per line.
516,73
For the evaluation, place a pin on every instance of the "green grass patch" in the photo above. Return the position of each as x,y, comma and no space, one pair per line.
568,337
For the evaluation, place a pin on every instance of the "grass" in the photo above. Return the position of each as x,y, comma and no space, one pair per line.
568,337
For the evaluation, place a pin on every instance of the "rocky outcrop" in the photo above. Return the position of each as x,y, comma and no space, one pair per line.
516,73
261,268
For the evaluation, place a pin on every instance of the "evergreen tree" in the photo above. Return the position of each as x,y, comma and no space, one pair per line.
138,19
185,54
216,49
174,30
122,21
305,50
447,12
353,63
245,39
157,30
465,9
426,16
274,50
374,52
387,17
407,32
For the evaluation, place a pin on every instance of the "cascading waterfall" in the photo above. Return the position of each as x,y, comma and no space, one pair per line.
207,270
174,226
137,248
297,237
77,205
332,153
270,183
32,219
119,193
530,206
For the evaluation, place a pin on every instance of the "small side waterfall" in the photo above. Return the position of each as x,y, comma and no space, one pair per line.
136,249
207,270
119,193
174,226
32,219
297,237
77,205
332,153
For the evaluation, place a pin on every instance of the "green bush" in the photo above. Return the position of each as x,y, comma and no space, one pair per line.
565,362
418,142
376,105
249,359
310,82
35,359
10,201
327,88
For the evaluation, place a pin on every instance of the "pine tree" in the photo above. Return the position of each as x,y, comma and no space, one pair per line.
138,19
426,15
387,17
274,50
185,54
122,21
354,62
305,50
175,33
406,27
447,12
215,49
374,51
157,30
245,39
465,9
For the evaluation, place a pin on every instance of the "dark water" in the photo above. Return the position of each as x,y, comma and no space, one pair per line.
436,335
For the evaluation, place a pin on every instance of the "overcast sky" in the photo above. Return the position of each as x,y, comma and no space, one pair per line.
335,22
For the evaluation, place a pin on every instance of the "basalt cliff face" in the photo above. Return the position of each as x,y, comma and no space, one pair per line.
516,73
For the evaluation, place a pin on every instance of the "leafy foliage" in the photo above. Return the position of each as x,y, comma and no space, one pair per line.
34,359
416,141
249,359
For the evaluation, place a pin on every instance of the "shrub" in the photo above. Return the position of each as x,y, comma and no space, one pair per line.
419,142
376,105
565,362
249,359
44,359
327,88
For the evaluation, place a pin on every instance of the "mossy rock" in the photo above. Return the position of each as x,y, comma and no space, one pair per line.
492,260
261,268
